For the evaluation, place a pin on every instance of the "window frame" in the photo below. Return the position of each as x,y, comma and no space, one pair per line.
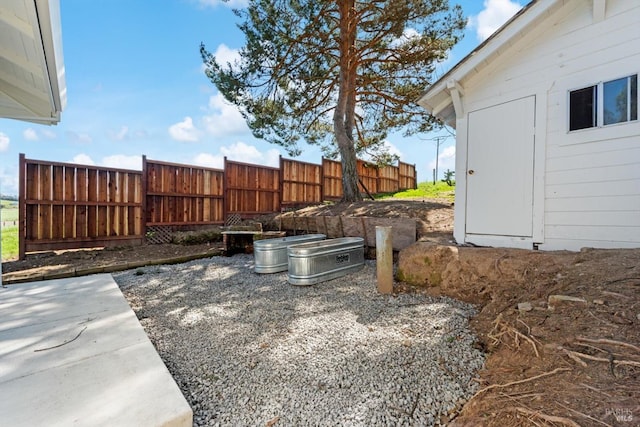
599,103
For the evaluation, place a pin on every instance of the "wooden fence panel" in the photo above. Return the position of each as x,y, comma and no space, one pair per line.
180,194
388,179
301,182
368,175
251,190
408,176
332,179
68,206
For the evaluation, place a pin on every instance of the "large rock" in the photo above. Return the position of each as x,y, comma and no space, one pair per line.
465,272
424,263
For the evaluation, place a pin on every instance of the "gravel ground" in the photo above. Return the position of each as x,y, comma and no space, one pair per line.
249,349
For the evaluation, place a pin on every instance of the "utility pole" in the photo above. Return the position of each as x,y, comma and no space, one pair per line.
438,140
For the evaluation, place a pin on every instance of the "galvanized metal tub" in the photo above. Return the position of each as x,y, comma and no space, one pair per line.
314,262
270,255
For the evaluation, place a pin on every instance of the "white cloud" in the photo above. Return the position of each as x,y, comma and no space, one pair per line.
392,149
47,133
119,135
119,161
4,142
80,138
240,152
387,146
446,160
123,162
140,134
83,159
494,14
224,54
225,119
235,4
406,36
184,131
209,160
30,135
8,178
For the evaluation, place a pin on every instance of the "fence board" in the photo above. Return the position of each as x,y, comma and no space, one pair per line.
69,211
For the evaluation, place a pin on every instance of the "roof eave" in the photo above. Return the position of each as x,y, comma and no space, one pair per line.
437,97
51,36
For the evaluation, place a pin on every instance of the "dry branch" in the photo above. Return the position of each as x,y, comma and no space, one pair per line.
500,328
545,374
608,341
587,386
601,359
577,360
549,418
584,415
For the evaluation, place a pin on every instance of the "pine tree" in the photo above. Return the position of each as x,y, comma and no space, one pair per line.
340,74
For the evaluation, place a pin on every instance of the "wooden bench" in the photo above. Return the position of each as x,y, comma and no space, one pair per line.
235,242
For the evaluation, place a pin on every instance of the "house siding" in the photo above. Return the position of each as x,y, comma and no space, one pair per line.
588,182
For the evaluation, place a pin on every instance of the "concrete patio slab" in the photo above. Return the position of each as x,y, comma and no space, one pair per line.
72,352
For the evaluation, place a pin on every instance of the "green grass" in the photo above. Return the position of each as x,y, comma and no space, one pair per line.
9,243
9,203
8,214
9,211
426,190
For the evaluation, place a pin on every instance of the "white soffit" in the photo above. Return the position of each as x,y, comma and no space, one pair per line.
32,75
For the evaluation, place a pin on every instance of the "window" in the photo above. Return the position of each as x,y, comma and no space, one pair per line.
604,104
582,108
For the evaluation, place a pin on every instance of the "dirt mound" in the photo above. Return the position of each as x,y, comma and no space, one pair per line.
434,217
561,330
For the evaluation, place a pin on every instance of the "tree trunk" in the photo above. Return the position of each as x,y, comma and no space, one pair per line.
350,192
344,114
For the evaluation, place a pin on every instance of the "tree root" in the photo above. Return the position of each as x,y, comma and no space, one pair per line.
545,417
571,353
545,374
501,328
608,341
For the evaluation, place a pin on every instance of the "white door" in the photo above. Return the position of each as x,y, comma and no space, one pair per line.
500,169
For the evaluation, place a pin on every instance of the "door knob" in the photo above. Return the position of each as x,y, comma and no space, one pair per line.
471,171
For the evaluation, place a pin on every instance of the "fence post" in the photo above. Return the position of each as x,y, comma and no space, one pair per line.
22,207
143,197
280,180
225,196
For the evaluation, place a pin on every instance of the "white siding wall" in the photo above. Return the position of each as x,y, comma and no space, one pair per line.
589,181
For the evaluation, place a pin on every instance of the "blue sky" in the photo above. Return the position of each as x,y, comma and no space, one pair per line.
135,85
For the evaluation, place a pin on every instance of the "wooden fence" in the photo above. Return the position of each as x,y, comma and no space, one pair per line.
182,195
68,206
